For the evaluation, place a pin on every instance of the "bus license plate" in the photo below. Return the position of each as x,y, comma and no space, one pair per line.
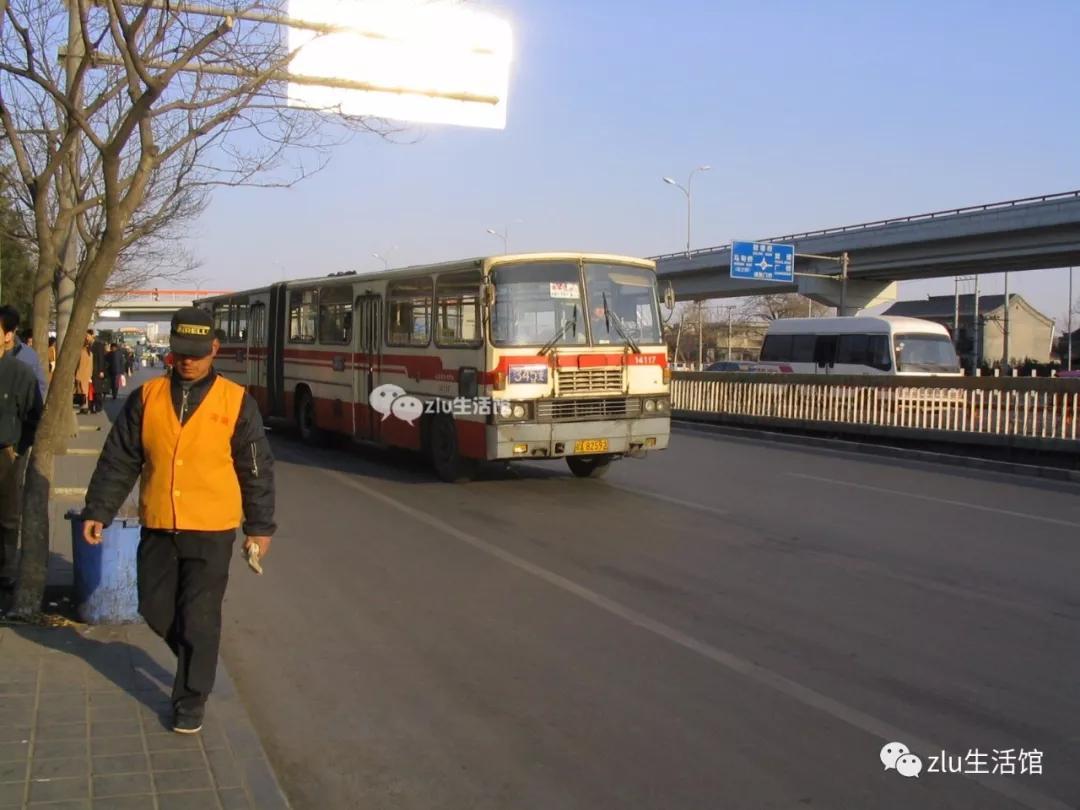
591,446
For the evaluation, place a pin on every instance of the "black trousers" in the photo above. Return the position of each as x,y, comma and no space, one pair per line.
182,578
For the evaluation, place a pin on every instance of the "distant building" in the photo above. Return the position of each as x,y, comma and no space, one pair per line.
1031,334
1063,348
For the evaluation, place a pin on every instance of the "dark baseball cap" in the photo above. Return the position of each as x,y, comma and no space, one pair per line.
192,332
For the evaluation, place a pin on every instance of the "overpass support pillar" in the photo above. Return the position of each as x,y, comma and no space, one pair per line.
860,293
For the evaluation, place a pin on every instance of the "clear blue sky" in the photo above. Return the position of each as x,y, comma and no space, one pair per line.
811,114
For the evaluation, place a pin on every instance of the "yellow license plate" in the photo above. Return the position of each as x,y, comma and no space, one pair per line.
591,446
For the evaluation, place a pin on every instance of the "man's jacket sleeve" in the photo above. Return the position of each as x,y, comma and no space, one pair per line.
254,466
119,465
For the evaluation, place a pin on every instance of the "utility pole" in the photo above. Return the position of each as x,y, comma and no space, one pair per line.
844,263
956,308
1005,360
1068,328
700,335
975,326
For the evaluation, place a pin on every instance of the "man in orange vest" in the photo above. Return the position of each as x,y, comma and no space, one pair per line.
197,441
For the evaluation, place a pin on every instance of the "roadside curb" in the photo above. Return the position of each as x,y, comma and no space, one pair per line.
881,450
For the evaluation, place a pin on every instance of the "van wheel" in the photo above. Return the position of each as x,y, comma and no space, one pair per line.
443,451
305,418
589,466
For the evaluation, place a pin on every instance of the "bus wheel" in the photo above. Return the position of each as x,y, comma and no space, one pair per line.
589,466
305,418
443,450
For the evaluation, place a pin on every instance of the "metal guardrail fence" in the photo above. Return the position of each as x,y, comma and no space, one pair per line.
1032,408
862,226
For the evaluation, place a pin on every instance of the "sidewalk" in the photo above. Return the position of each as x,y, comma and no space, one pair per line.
84,711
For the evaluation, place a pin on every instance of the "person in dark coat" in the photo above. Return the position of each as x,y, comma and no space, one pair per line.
116,365
100,372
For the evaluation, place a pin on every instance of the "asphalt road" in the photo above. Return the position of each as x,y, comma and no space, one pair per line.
726,624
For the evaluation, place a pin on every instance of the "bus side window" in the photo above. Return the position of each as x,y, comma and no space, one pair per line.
853,350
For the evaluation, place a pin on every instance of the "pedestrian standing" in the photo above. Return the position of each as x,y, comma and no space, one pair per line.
115,364
84,374
20,412
52,355
22,350
198,442
98,352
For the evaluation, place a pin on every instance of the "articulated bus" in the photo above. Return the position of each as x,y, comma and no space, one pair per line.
532,356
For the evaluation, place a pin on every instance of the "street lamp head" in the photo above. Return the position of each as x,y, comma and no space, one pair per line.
493,232
670,181
704,168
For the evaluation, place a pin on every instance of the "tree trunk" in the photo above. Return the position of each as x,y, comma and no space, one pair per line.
34,561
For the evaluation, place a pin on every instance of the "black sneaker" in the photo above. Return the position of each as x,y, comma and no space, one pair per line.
187,722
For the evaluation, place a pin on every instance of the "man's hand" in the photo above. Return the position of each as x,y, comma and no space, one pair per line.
262,542
91,531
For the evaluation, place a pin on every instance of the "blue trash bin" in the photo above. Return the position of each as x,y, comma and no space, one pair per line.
106,587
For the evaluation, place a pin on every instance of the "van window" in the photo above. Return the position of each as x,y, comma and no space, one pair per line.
802,348
777,348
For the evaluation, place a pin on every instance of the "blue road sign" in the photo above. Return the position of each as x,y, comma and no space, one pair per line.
763,261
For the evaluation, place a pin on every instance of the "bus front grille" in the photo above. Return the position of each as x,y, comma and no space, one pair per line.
588,380
575,410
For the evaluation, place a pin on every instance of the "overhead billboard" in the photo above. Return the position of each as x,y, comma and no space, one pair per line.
432,61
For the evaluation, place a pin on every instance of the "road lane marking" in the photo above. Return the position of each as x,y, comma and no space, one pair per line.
644,493
946,501
754,672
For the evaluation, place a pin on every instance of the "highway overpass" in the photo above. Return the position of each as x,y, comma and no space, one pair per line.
1032,233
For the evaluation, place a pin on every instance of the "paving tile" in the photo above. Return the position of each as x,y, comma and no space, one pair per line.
16,703
262,786
176,760
14,750
115,712
116,728
14,734
126,763
11,793
56,790
122,784
13,771
213,739
225,769
59,768
172,741
113,746
172,781
234,799
61,731
77,804
125,803
18,688
110,698
195,800
53,749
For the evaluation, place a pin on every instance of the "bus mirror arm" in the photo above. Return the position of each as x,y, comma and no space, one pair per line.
488,293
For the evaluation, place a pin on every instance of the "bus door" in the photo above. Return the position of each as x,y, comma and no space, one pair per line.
368,312
275,350
825,353
257,355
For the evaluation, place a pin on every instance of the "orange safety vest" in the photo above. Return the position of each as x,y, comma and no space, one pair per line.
188,478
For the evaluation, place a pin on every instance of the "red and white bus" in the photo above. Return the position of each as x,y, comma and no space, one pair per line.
532,356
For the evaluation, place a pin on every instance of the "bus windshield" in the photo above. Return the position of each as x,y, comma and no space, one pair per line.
535,301
621,296
540,302
925,353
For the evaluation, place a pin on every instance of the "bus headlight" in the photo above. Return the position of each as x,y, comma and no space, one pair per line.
650,405
506,411
519,411
662,406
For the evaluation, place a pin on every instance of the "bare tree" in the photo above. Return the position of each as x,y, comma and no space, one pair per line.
151,106
782,305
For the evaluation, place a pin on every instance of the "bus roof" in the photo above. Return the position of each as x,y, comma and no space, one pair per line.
882,324
440,267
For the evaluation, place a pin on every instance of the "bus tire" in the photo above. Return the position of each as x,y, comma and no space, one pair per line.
446,460
589,466
305,417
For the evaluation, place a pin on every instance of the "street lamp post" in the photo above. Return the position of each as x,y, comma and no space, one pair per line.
380,257
504,234
689,204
